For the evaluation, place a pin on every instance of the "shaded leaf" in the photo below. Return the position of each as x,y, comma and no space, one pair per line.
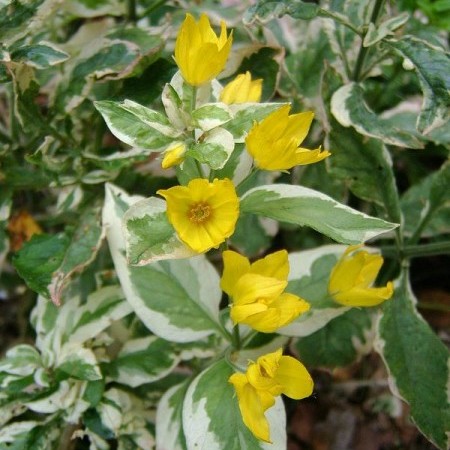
349,109
432,65
418,367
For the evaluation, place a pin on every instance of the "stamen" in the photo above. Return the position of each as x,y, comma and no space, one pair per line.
199,212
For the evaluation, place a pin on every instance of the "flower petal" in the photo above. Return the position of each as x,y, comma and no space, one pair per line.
289,307
365,297
275,265
199,53
295,379
241,313
234,266
252,287
251,407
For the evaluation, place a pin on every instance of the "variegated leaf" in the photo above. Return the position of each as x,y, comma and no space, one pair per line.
211,115
178,300
418,364
137,125
212,420
303,206
149,235
143,360
169,427
432,66
349,109
214,150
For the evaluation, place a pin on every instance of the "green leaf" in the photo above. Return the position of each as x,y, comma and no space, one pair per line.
36,261
81,251
265,10
245,115
128,417
263,64
137,125
211,115
97,8
39,56
253,234
27,435
302,206
212,420
79,363
349,109
21,360
114,60
308,278
366,166
26,89
426,205
214,150
183,304
101,309
377,33
418,364
237,167
169,428
313,54
339,342
432,66
143,360
15,17
63,331
149,235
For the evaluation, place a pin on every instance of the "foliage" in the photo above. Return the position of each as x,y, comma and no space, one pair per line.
134,344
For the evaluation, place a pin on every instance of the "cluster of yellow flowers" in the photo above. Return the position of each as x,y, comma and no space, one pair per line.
204,214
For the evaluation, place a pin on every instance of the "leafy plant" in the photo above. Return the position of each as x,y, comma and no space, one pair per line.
126,176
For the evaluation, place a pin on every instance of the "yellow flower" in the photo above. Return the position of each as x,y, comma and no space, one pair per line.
242,90
203,214
174,155
274,142
272,375
258,293
352,277
199,53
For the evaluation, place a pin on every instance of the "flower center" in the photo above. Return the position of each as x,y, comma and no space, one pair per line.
199,212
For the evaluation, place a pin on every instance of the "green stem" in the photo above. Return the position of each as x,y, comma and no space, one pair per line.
420,250
340,19
156,4
248,338
241,187
433,306
131,11
422,224
373,64
236,337
5,138
199,169
363,50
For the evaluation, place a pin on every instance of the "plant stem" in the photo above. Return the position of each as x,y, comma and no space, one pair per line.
433,306
236,337
240,188
131,11
414,251
340,18
423,222
156,4
363,50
